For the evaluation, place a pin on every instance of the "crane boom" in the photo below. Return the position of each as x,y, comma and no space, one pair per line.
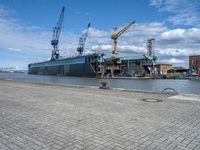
116,34
56,36
82,40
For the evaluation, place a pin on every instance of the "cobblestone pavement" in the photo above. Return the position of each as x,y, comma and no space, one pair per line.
40,116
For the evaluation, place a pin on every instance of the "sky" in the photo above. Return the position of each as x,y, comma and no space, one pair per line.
26,28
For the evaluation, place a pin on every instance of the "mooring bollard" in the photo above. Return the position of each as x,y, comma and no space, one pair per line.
104,85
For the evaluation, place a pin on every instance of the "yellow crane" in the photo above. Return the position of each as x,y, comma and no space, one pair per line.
116,34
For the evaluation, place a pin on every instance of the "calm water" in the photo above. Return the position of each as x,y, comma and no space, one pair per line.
181,86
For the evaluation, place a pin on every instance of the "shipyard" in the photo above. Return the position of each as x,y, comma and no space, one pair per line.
112,65
99,75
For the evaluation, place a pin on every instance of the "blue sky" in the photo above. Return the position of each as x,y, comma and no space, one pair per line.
26,28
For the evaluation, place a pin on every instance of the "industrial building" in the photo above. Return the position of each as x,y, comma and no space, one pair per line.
163,68
194,63
135,67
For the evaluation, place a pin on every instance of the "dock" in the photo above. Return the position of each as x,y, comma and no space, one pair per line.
57,117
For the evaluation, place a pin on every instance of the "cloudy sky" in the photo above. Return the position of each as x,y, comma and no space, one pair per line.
26,28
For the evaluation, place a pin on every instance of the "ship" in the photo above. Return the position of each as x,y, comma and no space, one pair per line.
89,65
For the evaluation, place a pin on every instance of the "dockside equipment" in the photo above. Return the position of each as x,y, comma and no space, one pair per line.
82,40
56,36
116,34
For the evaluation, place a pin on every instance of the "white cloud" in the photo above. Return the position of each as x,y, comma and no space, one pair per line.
132,48
14,33
173,52
179,42
172,61
182,34
97,33
4,11
14,49
101,47
183,12
173,34
29,39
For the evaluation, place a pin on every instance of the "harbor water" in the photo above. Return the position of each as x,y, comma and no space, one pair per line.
181,86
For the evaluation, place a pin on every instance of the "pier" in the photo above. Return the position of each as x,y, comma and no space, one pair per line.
50,116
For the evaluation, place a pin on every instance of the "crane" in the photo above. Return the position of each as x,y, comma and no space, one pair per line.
151,51
150,56
56,36
82,40
116,34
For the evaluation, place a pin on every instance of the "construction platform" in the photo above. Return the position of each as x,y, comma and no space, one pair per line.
48,116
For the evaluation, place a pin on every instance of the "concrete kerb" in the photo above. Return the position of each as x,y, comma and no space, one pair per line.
171,96
81,86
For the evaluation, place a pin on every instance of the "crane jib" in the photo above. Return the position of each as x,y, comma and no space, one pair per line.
56,35
116,34
82,40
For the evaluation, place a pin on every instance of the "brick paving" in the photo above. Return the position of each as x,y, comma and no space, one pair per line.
40,116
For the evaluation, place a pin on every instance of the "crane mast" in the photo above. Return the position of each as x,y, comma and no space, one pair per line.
150,56
151,47
82,40
116,34
56,36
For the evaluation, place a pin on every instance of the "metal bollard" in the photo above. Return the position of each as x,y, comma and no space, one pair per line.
104,85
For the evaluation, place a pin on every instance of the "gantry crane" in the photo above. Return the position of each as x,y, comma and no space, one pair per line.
56,36
82,40
116,34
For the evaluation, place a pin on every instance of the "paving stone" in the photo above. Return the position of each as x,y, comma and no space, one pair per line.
46,117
